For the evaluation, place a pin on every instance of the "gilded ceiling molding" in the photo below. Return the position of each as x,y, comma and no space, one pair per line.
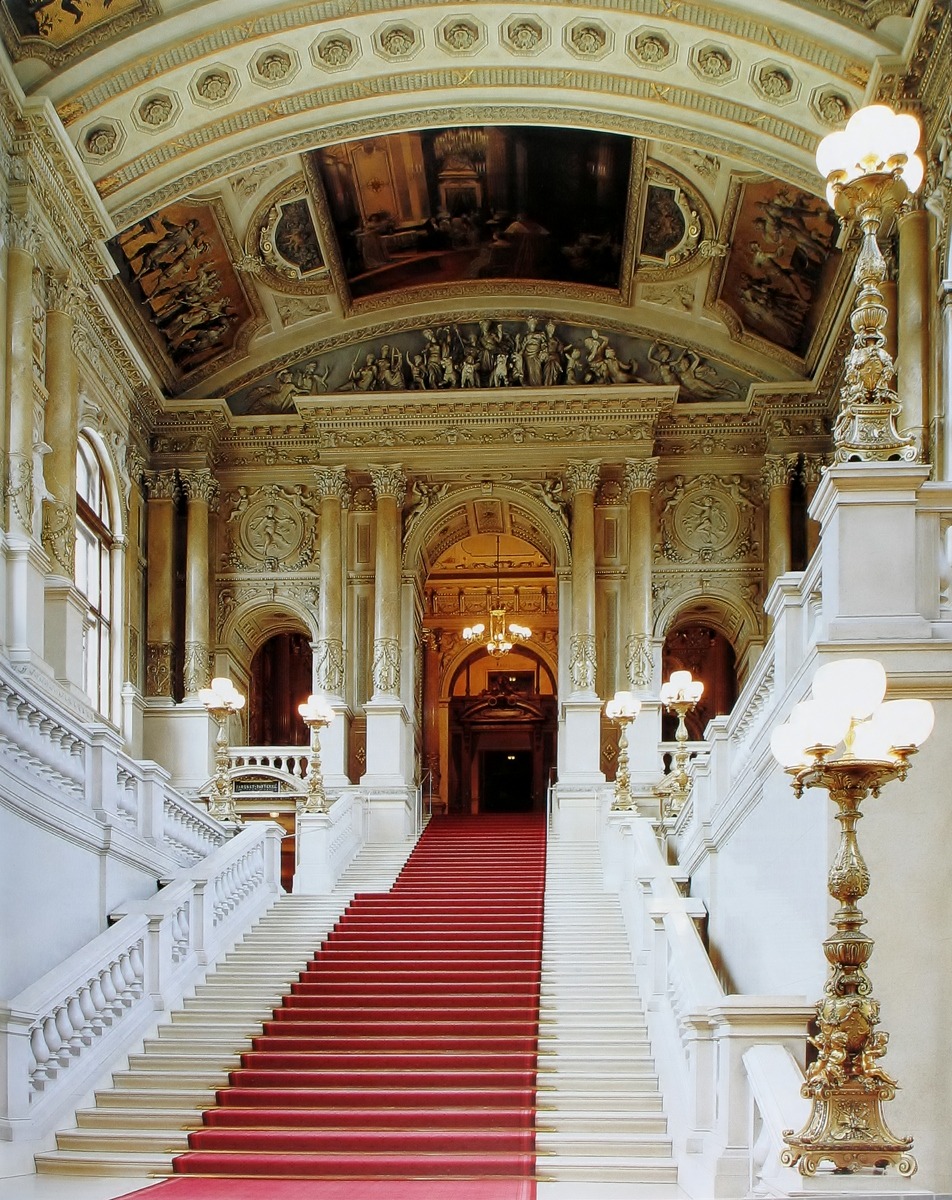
148,68
373,124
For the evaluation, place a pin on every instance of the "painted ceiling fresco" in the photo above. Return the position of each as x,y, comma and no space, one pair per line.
455,204
312,200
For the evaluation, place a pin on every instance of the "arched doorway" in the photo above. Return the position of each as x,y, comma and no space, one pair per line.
489,720
280,681
503,721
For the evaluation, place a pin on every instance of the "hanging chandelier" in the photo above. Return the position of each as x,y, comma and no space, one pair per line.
499,638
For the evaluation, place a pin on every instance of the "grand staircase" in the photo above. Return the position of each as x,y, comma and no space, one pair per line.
598,1112
144,1119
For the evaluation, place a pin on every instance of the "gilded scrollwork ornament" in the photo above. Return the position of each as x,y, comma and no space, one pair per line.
59,536
639,661
158,669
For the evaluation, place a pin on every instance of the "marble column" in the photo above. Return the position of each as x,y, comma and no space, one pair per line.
65,605
201,492
914,303
162,488
580,774
778,475
390,487
813,467
22,242
25,563
640,478
432,665
583,480
389,731
61,429
328,647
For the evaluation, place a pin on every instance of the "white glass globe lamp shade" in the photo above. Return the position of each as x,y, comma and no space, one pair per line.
854,686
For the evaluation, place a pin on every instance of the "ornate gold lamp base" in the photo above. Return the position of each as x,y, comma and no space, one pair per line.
847,1128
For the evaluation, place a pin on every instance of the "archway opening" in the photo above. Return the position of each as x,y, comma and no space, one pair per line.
705,652
280,681
490,720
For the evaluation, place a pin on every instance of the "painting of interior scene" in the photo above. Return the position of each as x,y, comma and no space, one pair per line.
781,255
59,21
447,205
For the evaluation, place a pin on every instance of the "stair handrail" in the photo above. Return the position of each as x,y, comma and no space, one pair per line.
60,1034
774,1080
699,1033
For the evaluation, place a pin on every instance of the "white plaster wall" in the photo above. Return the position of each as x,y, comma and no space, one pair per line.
61,873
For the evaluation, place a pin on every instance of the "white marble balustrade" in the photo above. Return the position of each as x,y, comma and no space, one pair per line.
63,1031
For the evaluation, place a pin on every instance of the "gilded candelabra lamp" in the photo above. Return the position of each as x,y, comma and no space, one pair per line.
222,699
501,635
845,739
316,713
679,695
622,709
871,167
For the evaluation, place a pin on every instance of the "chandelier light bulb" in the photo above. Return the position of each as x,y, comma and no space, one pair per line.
623,705
875,141
316,708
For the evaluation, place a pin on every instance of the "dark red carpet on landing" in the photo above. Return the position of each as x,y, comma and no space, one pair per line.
403,1063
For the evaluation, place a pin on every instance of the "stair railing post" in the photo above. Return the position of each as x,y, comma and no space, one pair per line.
16,1065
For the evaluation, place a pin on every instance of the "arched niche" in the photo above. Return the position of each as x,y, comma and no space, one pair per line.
281,679
695,643
725,612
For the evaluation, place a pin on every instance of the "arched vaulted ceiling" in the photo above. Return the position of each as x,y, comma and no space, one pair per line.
364,196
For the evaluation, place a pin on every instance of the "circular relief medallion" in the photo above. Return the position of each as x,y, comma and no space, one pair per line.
706,522
271,531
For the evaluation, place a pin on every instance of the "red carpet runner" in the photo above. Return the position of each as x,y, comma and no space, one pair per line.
407,1050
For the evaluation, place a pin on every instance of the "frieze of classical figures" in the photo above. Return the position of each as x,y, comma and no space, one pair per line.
582,662
270,527
197,668
494,353
389,481
639,661
386,666
707,519
583,475
332,481
59,536
200,485
329,666
158,669
779,470
641,474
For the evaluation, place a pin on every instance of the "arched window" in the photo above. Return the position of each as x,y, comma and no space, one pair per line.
94,541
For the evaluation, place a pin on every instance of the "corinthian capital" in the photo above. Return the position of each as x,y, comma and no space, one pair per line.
161,485
389,481
332,481
62,293
23,233
641,474
199,485
583,475
779,470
